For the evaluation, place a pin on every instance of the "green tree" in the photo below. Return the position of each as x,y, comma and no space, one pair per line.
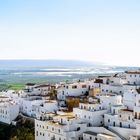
53,94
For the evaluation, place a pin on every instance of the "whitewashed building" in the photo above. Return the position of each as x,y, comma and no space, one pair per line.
62,127
38,89
38,107
74,89
91,113
133,77
9,110
109,100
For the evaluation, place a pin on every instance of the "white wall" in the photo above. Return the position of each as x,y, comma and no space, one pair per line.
125,132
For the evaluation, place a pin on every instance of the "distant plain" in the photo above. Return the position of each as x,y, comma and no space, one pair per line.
14,74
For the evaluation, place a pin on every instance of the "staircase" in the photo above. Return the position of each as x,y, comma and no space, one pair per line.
116,133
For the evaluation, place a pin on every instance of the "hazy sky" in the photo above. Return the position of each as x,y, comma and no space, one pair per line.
105,31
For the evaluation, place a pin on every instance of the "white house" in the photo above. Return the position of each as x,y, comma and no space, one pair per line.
29,106
74,89
133,77
9,110
91,113
129,98
49,106
106,88
40,89
34,108
62,127
108,100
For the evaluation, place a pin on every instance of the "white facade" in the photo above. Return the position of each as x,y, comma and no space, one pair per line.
30,107
49,106
62,127
106,88
33,89
89,135
9,110
124,119
75,89
129,99
34,108
133,78
93,114
97,133
108,100
113,80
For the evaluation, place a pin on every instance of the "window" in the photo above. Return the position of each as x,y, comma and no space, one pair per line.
89,124
134,83
90,138
78,129
120,124
135,115
74,87
36,133
84,86
113,123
